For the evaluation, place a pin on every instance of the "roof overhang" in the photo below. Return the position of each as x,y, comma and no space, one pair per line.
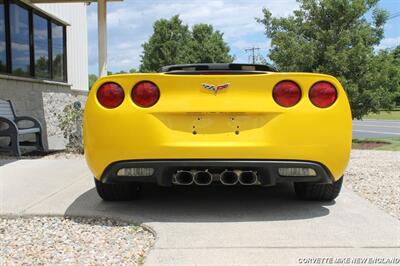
31,2
35,7
68,1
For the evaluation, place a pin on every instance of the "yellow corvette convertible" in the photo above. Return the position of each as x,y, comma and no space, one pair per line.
226,124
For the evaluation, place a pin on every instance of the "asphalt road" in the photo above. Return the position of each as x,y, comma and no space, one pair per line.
376,128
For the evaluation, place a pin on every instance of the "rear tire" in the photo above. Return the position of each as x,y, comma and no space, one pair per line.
117,192
318,192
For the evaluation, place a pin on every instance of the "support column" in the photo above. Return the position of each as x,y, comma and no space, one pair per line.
102,32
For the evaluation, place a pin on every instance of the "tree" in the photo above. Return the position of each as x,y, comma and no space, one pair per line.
167,45
92,79
133,70
173,43
396,62
333,37
383,78
121,72
208,46
396,54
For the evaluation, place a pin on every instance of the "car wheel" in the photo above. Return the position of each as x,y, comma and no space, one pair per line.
321,192
117,192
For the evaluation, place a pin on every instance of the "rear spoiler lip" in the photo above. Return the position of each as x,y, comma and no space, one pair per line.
215,72
218,67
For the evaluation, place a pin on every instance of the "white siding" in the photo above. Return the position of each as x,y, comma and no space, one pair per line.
77,40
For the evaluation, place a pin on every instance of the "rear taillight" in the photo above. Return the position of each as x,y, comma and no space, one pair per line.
110,95
286,93
323,94
145,94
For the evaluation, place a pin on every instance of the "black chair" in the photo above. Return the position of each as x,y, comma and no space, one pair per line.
14,130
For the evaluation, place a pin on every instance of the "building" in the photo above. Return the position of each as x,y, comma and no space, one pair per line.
43,60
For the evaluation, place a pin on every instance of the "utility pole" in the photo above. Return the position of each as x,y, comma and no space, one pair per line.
253,50
102,32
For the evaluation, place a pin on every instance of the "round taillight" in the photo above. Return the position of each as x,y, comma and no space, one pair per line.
323,94
145,94
110,95
286,93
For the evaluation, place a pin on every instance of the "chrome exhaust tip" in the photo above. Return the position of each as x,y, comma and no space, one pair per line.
229,178
183,178
202,178
248,178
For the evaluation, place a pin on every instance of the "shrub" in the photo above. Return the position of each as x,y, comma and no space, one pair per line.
70,122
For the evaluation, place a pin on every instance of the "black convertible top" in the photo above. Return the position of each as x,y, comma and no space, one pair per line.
235,68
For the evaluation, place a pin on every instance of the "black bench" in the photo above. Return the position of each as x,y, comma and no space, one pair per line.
10,126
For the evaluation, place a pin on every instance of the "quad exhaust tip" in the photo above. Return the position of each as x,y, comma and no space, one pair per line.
229,178
248,178
205,178
202,178
184,178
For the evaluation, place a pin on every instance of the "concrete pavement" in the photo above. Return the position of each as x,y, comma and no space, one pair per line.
42,187
209,226
376,128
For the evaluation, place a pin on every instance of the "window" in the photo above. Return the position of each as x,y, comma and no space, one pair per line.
3,55
41,46
32,44
57,33
20,47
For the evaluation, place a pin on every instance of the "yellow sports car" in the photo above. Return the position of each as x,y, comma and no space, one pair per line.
227,124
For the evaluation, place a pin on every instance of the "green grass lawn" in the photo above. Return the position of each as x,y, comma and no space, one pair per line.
383,115
385,144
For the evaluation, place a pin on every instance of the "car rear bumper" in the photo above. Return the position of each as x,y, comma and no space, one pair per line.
267,170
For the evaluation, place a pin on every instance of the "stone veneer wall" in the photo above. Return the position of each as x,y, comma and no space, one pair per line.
42,100
54,103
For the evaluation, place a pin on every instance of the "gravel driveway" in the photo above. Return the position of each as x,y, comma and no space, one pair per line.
77,241
375,175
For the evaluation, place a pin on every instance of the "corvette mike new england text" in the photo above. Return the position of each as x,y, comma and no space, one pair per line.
349,260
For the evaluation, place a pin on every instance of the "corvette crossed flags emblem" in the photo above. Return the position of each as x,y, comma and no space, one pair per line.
215,88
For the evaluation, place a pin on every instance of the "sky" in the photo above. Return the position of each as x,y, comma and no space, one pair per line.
130,24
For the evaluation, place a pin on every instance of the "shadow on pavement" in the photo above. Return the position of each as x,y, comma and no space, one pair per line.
7,160
202,204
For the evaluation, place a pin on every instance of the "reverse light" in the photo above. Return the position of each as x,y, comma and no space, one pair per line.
286,93
135,172
323,94
296,172
145,94
110,95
